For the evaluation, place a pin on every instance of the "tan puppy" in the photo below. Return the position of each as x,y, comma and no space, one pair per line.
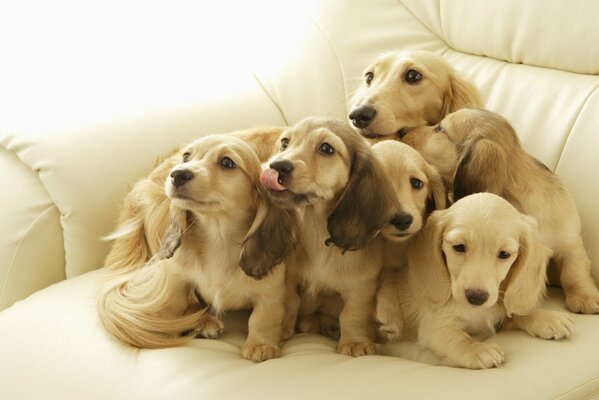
402,90
144,218
476,266
220,219
327,171
487,157
419,189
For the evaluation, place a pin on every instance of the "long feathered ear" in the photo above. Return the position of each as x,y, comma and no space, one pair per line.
460,94
272,236
427,266
178,222
437,198
483,166
365,206
525,283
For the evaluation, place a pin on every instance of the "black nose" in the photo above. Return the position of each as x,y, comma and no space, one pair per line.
283,167
180,176
402,221
476,296
362,116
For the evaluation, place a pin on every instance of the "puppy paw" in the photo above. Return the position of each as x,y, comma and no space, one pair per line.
391,322
357,349
329,326
260,352
480,356
309,323
551,325
582,303
210,327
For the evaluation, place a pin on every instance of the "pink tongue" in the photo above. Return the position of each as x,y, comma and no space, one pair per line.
269,178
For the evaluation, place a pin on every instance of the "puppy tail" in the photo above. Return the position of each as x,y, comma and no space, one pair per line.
148,307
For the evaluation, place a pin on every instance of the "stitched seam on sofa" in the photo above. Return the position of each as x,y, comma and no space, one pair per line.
582,108
14,256
272,99
424,25
579,387
530,382
330,43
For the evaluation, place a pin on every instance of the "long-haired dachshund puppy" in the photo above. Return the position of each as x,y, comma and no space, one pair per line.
419,189
475,267
406,89
144,218
222,243
328,172
479,151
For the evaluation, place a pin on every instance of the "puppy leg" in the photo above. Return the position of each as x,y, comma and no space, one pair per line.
308,320
356,322
580,290
292,307
544,324
455,347
388,308
265,328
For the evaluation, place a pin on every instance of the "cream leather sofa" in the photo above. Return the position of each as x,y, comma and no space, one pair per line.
91,95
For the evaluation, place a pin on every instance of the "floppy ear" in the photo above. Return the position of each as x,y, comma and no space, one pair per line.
525,283
365,206
272,236
178,222
460,94
437,198
483,166
427,266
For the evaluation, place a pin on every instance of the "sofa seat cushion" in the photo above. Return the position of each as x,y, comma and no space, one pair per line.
53,346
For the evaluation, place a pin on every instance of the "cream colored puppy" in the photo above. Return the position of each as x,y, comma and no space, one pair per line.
476,267
479,151
327,172
406,89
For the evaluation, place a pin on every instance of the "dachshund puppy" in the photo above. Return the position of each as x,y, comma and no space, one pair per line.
144,218
476,267
419,189
402,90
224,243
327,172
478,151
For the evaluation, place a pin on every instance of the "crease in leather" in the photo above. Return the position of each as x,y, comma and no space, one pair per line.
271,98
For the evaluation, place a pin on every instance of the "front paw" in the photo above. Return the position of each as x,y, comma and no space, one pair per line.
580,302
358,349
552,325
390,327
209,327
260,352
479,356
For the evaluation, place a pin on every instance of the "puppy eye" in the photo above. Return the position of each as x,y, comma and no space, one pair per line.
504,255
227,163
284,143
460,248
186,156
327,149
416,183
368,78
413,76
438,128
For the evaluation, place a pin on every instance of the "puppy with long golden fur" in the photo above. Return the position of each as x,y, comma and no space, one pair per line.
477,266
327,172
479,151
419,189
402,90
224,244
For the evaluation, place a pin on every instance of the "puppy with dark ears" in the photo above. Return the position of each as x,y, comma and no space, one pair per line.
479,151
224,243
327,172
476,266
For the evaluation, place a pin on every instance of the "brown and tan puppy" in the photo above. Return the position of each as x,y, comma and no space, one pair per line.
419,189
327,172
406,89
226,239
144,218
478,151
477,266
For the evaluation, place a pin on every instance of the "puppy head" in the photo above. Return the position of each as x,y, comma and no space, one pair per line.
323,160
415,183
408,89
490,248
